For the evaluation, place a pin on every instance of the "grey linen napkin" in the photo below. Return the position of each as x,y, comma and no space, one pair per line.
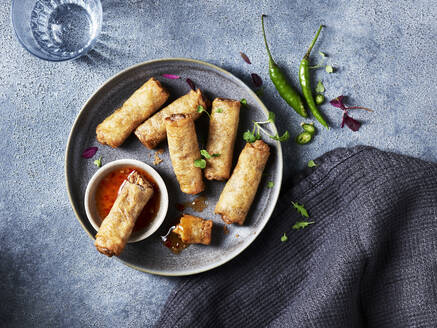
369,260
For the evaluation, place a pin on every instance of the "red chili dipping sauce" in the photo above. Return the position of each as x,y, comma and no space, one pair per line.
107,192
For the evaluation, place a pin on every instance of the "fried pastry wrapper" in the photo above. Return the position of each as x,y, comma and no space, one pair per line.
239,192
184,150
116,228
223,127
194,230
152,131
145,101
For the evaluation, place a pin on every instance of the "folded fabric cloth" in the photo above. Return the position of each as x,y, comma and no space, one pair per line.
369,260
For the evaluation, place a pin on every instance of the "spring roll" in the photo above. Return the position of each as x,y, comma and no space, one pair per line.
223,127
239,192
116,228
184,150
152,131
194,230
145,101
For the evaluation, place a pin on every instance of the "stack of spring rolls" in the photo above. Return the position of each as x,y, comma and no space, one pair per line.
139,114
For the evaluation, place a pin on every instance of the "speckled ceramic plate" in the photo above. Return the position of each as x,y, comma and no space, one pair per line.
151,255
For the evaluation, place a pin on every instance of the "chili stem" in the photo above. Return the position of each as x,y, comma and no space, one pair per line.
265,40
307,55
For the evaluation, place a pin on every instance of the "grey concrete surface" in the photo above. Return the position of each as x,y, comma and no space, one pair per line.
50,273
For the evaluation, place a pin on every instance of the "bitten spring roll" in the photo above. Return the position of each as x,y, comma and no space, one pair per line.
116,228
194,230
223,126
239,192
115,129
152,131
184,150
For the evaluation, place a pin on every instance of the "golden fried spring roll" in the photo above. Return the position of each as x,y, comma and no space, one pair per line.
184,150
115,129
223,127
116,228
239,192
194,230
152,131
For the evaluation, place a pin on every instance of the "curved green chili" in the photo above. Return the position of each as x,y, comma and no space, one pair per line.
278,78
304,79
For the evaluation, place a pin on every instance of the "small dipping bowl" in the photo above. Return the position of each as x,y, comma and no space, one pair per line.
91,190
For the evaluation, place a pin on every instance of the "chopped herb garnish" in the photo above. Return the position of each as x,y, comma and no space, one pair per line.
284,237
171,76
320,88
219,110
322,54
270,184
215,155
245,58
329,69
351,123
191,84
301,224
252,136
89,152
301,209
98,162
205,154
311,163
201,163
243,102
201,109
256,79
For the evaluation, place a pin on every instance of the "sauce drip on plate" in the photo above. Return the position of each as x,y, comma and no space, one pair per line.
107,192
198,204
173,242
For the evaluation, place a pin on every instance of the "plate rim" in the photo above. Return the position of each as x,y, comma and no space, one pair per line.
278,180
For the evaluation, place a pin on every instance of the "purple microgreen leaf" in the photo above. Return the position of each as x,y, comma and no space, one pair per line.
171,76
89,152
245,58
257,81
352,124
338,102
191,84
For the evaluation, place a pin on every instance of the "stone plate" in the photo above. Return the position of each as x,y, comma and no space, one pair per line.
151,255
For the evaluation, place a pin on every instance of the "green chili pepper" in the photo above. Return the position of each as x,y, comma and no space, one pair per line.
278,78
304,138
304,79
309,128
320,99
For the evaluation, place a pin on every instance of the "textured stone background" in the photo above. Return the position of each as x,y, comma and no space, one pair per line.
50,273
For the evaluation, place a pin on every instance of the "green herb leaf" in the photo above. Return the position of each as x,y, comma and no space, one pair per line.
311,163
200,163
201,109
284,237
251,137
322,54
320,88
219,110
215,155
98,162
205,154
243,102
301,224
270,184
272,117
301,209
282,138
329,69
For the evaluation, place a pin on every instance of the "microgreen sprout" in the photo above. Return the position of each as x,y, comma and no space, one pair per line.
301,224
270,184
284,238
257,128
201,109
352,124
200,163
311,163
98,162
301,209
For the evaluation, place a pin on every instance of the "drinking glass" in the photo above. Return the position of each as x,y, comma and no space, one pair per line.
57,30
